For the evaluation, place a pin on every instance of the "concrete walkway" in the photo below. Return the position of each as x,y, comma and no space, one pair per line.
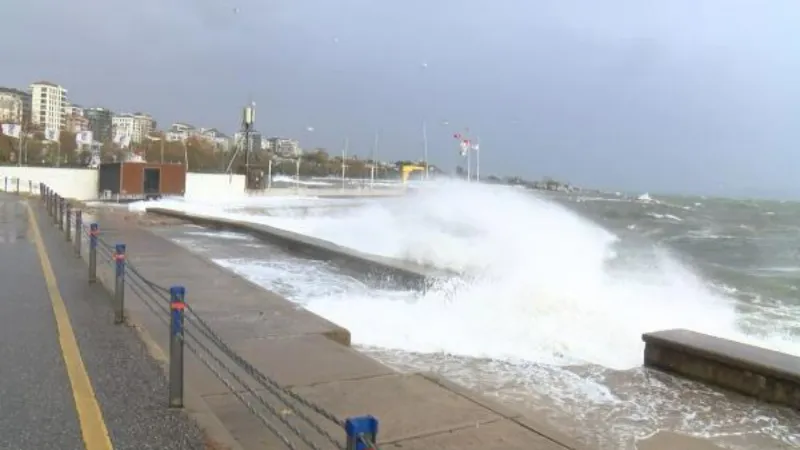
69,378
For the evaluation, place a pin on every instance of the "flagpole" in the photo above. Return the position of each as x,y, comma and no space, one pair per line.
478,160
469,163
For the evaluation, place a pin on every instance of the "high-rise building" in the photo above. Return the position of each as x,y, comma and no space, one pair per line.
99,123
48,105
122,125
143,125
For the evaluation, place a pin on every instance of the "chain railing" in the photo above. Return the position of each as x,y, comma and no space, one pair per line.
296,421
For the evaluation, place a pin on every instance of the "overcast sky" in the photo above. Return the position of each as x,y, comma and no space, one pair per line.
669,95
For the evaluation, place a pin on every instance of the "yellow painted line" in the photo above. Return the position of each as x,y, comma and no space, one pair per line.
93,427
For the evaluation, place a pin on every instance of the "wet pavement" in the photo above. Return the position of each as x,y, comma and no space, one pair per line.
69,377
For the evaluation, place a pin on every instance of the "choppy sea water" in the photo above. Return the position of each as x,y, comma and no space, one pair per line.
554,294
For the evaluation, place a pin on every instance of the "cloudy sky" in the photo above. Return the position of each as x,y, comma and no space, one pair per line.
661,95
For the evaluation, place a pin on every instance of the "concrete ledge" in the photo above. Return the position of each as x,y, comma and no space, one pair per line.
753,371
374,267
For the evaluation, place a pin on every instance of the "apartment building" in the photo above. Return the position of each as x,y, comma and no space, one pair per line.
48,105
76,120
100,123
179,131
122,125
257,142
15,106
220,140
143,125
138,126
283,147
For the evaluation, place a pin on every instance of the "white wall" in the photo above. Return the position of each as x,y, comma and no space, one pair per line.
80,184
214,185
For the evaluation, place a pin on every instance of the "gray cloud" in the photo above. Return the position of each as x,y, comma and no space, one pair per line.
671,95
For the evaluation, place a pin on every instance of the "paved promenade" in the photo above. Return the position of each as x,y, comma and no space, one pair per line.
95,382
69,378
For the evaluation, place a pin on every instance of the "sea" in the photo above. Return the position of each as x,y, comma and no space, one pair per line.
549,296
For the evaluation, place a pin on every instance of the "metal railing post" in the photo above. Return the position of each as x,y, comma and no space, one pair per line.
68,223
30,187
78,231
62,206
5,189
93,231
119,284
177,305
17,185
56,202
362,433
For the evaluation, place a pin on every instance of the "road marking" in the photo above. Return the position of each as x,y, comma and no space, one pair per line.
93,427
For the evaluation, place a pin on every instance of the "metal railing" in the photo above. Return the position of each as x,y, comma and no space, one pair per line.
297,422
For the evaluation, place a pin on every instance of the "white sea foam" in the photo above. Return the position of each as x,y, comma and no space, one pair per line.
541,283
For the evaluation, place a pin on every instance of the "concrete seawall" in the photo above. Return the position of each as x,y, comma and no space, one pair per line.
753,371
372,267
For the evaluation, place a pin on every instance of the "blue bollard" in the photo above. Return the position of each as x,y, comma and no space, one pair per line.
119,285
93,232
177,305
362,433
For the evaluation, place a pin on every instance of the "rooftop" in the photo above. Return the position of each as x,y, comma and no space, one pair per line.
45,83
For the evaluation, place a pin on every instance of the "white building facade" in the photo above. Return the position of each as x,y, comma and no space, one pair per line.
137,126
48,105
11,107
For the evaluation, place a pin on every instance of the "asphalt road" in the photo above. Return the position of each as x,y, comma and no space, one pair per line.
37,403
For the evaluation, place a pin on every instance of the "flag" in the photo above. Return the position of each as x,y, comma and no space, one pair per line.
122,139
11,129
52,134
83,138
464,147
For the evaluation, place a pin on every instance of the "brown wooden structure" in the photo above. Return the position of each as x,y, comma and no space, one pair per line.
141,180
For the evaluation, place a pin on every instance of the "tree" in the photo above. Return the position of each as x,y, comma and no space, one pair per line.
67,142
